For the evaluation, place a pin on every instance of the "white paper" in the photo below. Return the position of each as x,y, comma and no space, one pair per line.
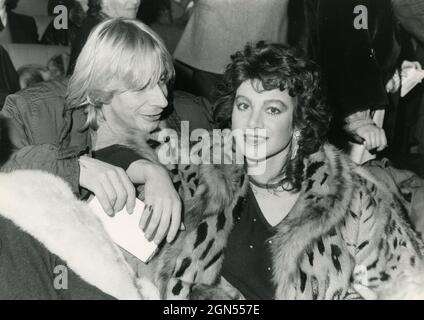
124,230
410,80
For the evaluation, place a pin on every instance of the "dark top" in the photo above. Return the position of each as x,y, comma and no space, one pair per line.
23,28
27,270
9,80
356,63
81,38
117,155
59,37
248,263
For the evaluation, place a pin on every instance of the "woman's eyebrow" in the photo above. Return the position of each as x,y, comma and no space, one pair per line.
276,100
239,96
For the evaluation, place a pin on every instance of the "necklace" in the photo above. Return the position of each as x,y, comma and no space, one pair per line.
267,186
265,189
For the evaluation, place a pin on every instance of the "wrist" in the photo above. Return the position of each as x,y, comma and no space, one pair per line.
142,170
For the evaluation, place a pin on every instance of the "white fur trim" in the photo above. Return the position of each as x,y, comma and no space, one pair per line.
43,206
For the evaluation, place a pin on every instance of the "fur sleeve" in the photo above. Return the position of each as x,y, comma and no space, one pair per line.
385,244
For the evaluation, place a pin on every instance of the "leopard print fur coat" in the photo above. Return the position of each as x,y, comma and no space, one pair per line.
347,237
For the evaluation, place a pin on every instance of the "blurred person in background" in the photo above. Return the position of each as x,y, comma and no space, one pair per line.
9,79
31,74
410,13
361,48
97,11
14,27
215,30
64,37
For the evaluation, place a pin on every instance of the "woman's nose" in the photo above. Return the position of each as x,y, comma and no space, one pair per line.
255,120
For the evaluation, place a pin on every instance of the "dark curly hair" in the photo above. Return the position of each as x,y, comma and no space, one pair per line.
278,66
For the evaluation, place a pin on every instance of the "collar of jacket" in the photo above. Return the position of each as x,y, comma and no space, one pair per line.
323,203
53,216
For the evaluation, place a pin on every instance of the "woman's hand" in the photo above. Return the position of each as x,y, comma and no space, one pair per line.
162,214
110,184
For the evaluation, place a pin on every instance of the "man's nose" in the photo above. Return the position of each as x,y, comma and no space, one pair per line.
158,97
134,2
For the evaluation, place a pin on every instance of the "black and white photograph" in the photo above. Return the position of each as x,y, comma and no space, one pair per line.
227,151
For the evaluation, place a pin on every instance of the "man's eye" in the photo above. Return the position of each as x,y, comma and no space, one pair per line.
242,106
162,80
273,110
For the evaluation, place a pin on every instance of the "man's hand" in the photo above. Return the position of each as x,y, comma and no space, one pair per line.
110,184
374,137
162,214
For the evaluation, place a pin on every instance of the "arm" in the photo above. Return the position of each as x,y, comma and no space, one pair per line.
26,155
9,80
162,215
364,130
385,244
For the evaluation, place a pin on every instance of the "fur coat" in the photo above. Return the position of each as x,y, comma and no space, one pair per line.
346,236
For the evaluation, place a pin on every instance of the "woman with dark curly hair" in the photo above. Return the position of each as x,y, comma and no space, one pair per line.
293,81
311,225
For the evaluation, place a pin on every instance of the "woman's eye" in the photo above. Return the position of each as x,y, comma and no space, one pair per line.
273,110
242,106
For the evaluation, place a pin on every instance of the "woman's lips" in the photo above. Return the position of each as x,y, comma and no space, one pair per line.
254,140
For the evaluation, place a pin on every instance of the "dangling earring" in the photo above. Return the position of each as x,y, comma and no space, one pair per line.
295,144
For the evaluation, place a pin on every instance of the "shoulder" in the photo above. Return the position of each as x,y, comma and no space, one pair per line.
337,162
38,93
21,18
330,175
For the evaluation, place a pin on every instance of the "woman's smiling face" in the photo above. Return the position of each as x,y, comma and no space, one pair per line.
264,118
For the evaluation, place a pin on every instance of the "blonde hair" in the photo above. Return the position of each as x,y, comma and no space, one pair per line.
120,55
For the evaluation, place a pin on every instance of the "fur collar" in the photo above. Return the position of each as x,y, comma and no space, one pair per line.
44,207
323,203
